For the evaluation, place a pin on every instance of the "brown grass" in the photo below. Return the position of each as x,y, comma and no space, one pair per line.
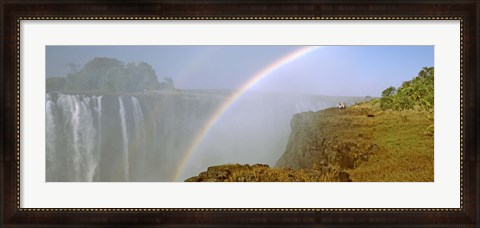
405,139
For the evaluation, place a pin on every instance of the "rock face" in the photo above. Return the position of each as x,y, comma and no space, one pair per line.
330,138
224,173
323,147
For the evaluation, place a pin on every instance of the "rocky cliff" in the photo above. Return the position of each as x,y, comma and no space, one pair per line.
327,139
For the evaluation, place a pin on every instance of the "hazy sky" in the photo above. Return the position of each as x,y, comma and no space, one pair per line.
329,70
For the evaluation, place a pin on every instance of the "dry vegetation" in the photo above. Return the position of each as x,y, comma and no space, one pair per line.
263,173
405,139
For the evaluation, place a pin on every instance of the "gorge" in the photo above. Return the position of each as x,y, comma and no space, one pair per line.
145,136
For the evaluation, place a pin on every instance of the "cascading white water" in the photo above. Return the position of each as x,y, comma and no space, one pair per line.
124,139
88,136
71,113
74,136
50,137
77,115
139,126
99,135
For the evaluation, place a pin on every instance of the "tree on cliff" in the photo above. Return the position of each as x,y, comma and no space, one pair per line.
417,93
109,75
386,101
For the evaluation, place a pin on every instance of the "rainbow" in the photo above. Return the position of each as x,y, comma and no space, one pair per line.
257,77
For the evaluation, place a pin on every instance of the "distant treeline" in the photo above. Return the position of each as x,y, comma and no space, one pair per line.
109,75
414,94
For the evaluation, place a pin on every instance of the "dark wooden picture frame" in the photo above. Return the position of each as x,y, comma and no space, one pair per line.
11,215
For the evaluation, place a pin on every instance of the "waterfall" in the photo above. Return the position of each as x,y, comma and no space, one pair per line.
124,138
79,132
88,137
50,137
73,136
139,124
138,116
99,135
69,106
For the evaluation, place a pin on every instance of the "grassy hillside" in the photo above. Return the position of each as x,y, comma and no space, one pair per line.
404,139
365,141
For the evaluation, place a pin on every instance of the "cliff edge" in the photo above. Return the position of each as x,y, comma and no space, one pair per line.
329,138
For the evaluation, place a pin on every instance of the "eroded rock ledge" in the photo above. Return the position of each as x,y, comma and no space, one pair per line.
263,173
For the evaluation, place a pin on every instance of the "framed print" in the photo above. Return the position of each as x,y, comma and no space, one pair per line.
248,113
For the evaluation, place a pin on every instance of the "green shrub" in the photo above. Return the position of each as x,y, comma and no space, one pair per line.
417,93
